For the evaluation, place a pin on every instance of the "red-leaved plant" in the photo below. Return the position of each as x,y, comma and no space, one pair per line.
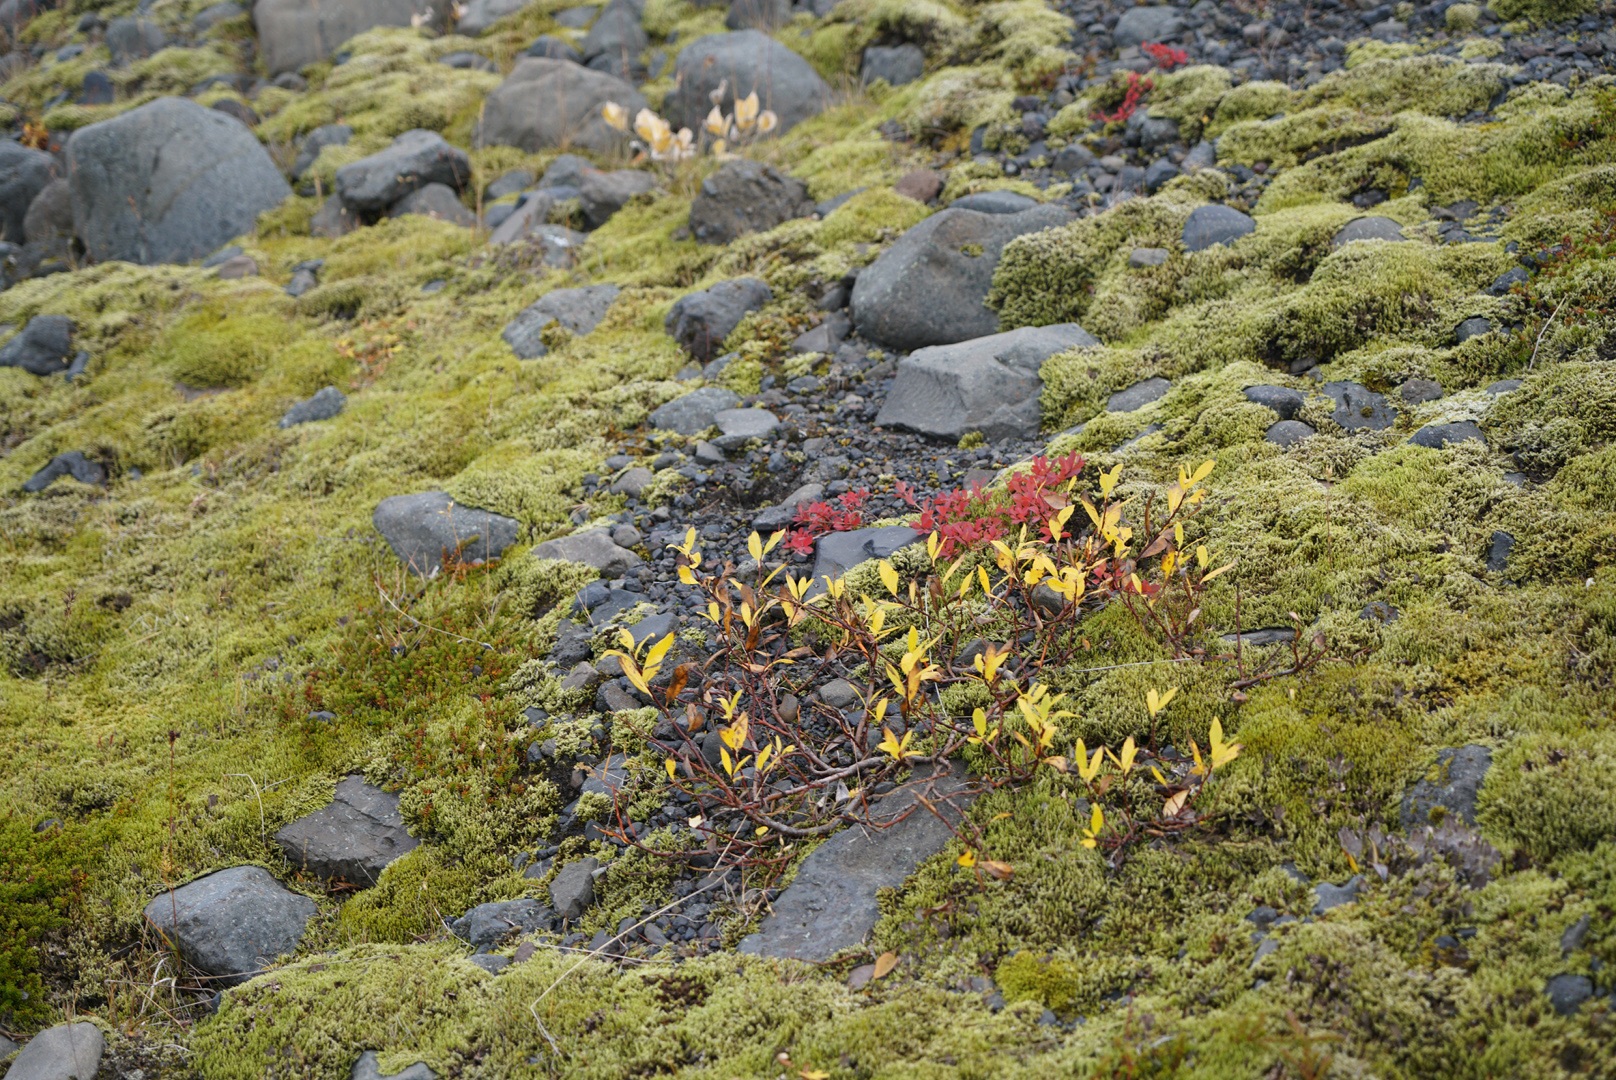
1167,58
965,519
815,519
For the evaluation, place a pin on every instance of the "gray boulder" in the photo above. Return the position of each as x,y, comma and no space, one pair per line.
1367,228
744,61
24,172
694,411
545,103
1436,436
838,552
350,840
133,39
326,403
930,286
990,384
758,14
1357,406
421,528
509,183
594,547
334,219
897,64
1327,895
1567,992
232,923
579,310
1214,224
994,202
367,1068
169,181
42,347
436,201
321,137
736,427
64,1052
702,320
572,890
416,158
602,194
1448,790
1282,399
745,196
488,924
479,15
74,464
1471,327
293,33
1139,25
1288,433
616,32
550,47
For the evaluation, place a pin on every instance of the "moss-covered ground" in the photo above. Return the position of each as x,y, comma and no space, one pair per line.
163,642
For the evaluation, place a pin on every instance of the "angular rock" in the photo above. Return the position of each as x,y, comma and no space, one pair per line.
824,338
169,181
994,202
1470,328
1567,993
1450,789
1282,399
550,47
592,548
368,1068
921,185
421,528
230,924
838,552
416,158
737,426
436,201
234,109
607,777
744,61
48,225
1213,224
1139,25
42,346
602,194
133,39
633,482
321,137
1357,406
572,890
701,321
333,219
899,65
782,514
745,196
326,403
1436,436
616,32
1368,228
488,924
1329,896
509,183
1418,391
1137,396
64,1052
350,840
74,464
990,384
294,33
1145,258
1157,173
1288,432
578,310
479,15
24,173
694,411
929,287
545,102
831,905
236,267
1499,545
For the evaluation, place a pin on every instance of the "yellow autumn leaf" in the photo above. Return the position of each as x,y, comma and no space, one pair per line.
889,577
884,965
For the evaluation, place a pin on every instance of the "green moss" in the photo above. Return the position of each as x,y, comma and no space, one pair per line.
1553,793
1542,11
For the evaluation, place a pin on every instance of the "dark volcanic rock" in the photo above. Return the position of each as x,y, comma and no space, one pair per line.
743,61
745,196
578,310
421,528
702,320
294,33
1282,399
352,839
24,173
1357,406
1450,789
416,158
547,102
232,923
694,411
1437,436
1215,224
436,201
594,547
74,464
326,403
897,64
836,553
42,347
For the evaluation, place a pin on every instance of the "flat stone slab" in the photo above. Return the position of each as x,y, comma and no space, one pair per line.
694,411
1288,432
594,547
1357,406
232,923
737,426
838,552
1450,789
831,905
577,310
1436,436
1137,396
64,1052
366,1068
1282,399
352,839
421,528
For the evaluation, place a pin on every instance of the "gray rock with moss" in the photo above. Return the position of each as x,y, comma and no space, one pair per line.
73,463
479,15
41,347
327,403
64,1052
694,412
308,151
168,181
350,840
436,201
602,194
1358,407
899,64
930,287
744,196
24,172
593,547
578,311
294,33
368,1067
130,38
989,385
1209,226
1139,25
545,103
232,923
836,553
415,160
617,33
1450,789
744,61
700,321
422,528
572,890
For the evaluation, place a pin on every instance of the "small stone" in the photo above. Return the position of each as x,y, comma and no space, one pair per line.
1472,327
1215,224
326,404
350,840
489,924
1159,172
595,547
839,694
74,464
1451,788
239,266
1575,935
1138,395
1437,436
921,185
1367,228
421,528
899,65
573,889
1267,947
1515,275
64,1052
1567,993
1282,399
1503,386
1418,391
633,482
737,426
1332,896
42,347
436,201
1357,407
701,321
1144,258
1498,549
694,411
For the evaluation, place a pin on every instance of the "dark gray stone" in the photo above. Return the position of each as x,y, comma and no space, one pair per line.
1288,433
295,33
1137,396
1329,896
579,310
702,320
64,1052
745,196
1214,224
572,890
416,159
633,482
577,18
333,219
232,923
1282,399
550,47
1203,155
602,194
930,286
325,405
97,89
41,347
237,111
738,426
509,183
1367,228
990,385
1072,159
1419,391
1150,132
546,103
995,202
436,201
74,464
782,514
744,61
1157,173
1437,436
1145,258
488,924
1139,25
1357,406
595,548
129,39
758,14
1503,386
1453,785
607,777
694,411
169,181
479,15
1567,993
826,338
1261,638
212,16
367,1068
1515,275
1498,548
831,905
420,528
653,628
616,32
1473,327
350,840
24,173
897,64
838,552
